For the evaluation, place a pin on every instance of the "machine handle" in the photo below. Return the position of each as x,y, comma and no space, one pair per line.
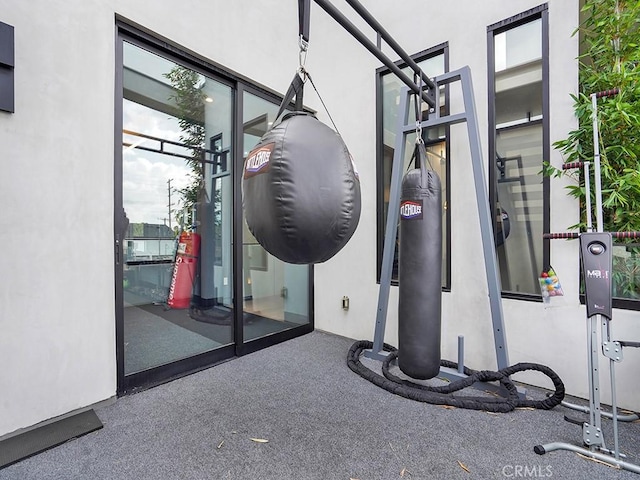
565,235
570,165
607,93
625,234
555,236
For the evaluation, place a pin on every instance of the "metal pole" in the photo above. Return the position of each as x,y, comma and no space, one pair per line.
460,354
486,229
606,336
391,230
596,159
587,188
369,45
373,23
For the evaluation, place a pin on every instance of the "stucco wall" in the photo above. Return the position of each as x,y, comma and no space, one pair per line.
555,335
57,314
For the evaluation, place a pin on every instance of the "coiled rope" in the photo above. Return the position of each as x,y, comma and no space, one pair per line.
443,395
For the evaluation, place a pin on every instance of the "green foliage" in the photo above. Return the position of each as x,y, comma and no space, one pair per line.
190,100
610,38
611,43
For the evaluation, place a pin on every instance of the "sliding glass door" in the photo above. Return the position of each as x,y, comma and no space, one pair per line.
177,197
193,287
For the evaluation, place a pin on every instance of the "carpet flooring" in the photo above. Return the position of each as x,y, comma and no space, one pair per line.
155,335
295,411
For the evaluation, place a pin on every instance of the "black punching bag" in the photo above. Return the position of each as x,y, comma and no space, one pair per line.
419,271
301,191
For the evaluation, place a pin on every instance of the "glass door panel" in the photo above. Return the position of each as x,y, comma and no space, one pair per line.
177,196
275,294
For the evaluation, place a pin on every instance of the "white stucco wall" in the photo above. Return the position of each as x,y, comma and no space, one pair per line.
57,329
57,313
555,335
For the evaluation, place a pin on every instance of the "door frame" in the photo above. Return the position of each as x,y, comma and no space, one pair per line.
137,35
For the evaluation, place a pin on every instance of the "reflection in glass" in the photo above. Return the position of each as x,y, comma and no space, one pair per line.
520,203
435,140
626,271
275,294
177,196
519,207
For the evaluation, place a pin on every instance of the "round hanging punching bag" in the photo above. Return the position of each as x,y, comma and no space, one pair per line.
301,191
419,273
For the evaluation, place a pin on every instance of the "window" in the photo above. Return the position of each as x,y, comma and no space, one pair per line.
7,64
433,62
518,145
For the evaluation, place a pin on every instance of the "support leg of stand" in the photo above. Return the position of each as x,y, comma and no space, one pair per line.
632,417
592,431
550,447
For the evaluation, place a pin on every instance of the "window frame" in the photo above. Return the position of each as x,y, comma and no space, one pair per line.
441,49
539,12
128,31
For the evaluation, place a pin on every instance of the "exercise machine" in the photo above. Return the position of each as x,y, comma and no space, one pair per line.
597,266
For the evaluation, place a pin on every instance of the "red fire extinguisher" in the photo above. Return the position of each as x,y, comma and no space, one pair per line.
184,270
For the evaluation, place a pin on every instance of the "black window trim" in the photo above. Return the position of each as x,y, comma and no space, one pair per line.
129,31
441,49
514,21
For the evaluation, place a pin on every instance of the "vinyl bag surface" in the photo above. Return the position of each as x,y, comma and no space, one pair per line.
301,191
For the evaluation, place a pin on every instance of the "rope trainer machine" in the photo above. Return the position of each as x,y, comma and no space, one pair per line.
426,89
597,266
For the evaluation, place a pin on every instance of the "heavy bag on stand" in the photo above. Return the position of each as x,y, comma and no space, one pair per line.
419,270
301,191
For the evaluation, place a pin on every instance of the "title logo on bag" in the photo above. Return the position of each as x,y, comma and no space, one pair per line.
411,210
258,160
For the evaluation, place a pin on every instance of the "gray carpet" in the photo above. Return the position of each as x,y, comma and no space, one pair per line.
321,421
151,340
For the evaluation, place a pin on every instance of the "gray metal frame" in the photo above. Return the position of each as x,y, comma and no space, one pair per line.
469,116
592,435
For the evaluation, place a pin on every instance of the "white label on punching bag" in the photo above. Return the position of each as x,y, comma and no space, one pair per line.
258,160
411,210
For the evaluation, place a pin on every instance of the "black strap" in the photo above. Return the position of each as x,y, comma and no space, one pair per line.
420,161
304,9
295,90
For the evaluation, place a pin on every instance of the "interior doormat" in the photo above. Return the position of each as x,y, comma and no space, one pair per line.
38,440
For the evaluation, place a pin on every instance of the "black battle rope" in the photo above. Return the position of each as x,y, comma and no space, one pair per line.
442,395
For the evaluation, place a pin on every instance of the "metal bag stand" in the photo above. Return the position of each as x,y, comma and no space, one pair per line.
427,90
469,116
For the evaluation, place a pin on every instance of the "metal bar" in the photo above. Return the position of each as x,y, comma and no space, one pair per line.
434,122
164,152
390,231
606,336
596,160
550,447
304,16
373,23
486,228
587,188
164,140
369,45
631,417
460,354
594,398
